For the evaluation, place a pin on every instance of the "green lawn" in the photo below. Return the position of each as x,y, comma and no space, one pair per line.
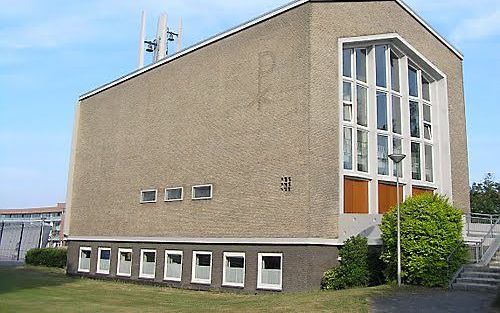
34,289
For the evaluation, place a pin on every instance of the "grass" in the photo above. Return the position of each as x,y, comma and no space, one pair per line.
35,289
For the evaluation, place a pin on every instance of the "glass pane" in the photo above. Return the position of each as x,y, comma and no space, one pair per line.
427,131
347,62
362,114
347,91
426,93
394,72
396,115
414,120
148,263
173,194
381,111
125,262
347,112
427,113
203,259
348,148
203,192
383,155
361,64
415,161
234,270
397,147
149,196
202,267
362,151
271,262
174,265
85,259
381,66
412,82
429,175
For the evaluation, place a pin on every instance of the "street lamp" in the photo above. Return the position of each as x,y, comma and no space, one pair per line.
397,158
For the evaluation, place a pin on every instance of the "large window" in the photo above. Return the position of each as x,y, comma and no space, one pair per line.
201,271
124,266
270,271
148,263
103,260
234,269
173,265
84,259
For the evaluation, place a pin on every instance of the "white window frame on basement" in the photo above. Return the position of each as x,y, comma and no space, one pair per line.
99,251
224,267
173,252
141,198
141,264
120,250
202,198
80,269
193,266
261,285
174,188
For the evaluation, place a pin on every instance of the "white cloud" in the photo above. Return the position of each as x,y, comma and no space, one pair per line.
480,27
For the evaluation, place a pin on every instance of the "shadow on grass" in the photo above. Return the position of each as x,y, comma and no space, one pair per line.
13,279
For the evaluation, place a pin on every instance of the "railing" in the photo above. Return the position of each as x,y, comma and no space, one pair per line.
478,223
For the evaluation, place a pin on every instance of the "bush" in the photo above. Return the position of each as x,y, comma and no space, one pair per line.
430,231
353,269
51,257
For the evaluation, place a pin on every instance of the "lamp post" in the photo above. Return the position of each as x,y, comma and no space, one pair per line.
397,158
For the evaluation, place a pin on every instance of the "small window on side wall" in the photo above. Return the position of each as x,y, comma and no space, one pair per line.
234,269
124,266
173,194
148,195
84,259
270,271
173,265
201,270
148,263
103,260
201,192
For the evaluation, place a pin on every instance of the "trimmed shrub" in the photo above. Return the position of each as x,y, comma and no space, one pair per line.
430,231
353,269
51,257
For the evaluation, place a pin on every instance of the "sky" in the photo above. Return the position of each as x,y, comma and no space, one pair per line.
53,51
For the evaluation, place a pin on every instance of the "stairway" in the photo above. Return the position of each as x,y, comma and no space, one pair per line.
481,278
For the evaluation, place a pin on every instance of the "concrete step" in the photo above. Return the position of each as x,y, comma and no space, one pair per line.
480,275
474,287
472,268
479,280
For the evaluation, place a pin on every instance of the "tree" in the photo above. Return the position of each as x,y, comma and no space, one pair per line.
485,196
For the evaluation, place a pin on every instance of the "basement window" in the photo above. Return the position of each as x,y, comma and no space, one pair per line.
148,196
124,267
234,269
148,263
173,194
103,260
202,267
84,259
200,192
270,271
173,265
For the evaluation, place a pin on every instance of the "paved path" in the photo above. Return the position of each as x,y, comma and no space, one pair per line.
4,263
435,300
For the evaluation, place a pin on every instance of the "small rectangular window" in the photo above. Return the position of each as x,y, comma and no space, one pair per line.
394,72
381,66
383,154
347,148
201,192
426,92
396,115
270,272
429,175
416,171
124,267
412,82
234,269
347,64
148,196
414,120
173,265
362,106
148,263
202,267
84,259
361,64
382,111
362,145
173,194
103,260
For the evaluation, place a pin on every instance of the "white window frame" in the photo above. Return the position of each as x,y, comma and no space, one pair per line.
141,264
98,270
80,269
202,198
174,188
173,252
148,190
261,285
193,266
120,250
233,254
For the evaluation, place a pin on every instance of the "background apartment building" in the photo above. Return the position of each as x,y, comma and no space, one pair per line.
245,161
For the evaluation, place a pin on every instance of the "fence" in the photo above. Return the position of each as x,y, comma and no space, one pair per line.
16,238
477,224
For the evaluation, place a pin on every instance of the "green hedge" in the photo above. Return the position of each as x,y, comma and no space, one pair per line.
430,229
51,257
353,270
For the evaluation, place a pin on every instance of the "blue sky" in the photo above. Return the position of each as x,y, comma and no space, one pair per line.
53,51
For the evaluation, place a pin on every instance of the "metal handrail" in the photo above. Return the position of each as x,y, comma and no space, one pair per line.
490,232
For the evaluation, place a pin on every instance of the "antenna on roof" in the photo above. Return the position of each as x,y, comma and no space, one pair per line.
159,45
179,35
